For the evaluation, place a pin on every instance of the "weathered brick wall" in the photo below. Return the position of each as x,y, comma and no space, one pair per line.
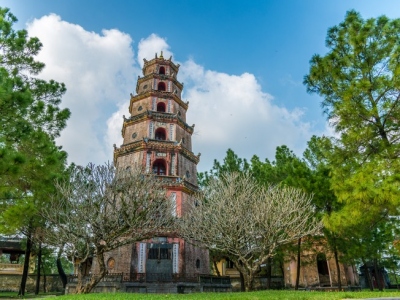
150,69
141,131
196,260
182,133
185,165
177,109
12,283
140,106
132,160
309,271
122,258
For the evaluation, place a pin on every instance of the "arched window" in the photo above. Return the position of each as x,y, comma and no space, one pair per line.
160,134
161,86
162,70
110,263
161,107
159,167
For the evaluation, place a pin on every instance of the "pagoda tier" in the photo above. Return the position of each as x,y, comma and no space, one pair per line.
137,102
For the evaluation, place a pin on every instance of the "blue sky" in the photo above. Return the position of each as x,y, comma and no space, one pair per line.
243,63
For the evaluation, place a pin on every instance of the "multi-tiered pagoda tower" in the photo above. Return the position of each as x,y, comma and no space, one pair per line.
157,137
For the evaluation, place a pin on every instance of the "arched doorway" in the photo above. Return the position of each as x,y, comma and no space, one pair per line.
323,270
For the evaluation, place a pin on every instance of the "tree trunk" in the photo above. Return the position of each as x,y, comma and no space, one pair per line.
44,279
298,264
60,269
79,284
368,275
26,263
282,267
378,276
39,263
242,284
248,281
269,272
339,279
96,278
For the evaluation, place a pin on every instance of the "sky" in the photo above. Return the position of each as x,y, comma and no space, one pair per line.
242,65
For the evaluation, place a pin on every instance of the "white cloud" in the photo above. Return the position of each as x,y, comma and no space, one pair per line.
99,72
114,125
151,45
230,111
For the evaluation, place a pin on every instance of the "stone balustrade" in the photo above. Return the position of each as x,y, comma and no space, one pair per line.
11,268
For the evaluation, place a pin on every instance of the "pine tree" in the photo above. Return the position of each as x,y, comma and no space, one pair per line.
30,120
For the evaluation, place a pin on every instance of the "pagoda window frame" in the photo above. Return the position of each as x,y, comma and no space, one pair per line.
160,134
159,167
161,107
161,86
161,70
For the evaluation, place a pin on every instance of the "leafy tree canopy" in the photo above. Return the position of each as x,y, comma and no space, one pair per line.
360,84
30,119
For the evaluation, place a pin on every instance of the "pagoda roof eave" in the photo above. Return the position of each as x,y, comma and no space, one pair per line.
158,116
160,60
152,144
159,94
161,76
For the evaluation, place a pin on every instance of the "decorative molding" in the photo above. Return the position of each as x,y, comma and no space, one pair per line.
175,258
142,258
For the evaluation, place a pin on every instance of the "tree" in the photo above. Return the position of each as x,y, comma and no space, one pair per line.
324,199
231,163
287,169
30,120
360,84
247,221
101,208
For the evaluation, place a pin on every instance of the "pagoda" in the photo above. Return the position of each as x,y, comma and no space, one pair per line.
157,137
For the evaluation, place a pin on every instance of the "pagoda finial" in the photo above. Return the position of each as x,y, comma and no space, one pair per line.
161,56
156,54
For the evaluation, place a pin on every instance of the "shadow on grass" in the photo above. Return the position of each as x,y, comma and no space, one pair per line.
14,295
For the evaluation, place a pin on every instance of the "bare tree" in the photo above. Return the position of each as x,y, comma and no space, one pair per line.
247,221
101,208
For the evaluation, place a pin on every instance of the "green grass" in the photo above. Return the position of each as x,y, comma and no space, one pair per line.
259,295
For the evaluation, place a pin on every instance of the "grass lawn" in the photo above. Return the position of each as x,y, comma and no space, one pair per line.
259,295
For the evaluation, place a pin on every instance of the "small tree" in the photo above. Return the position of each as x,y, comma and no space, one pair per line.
247,221
102,208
